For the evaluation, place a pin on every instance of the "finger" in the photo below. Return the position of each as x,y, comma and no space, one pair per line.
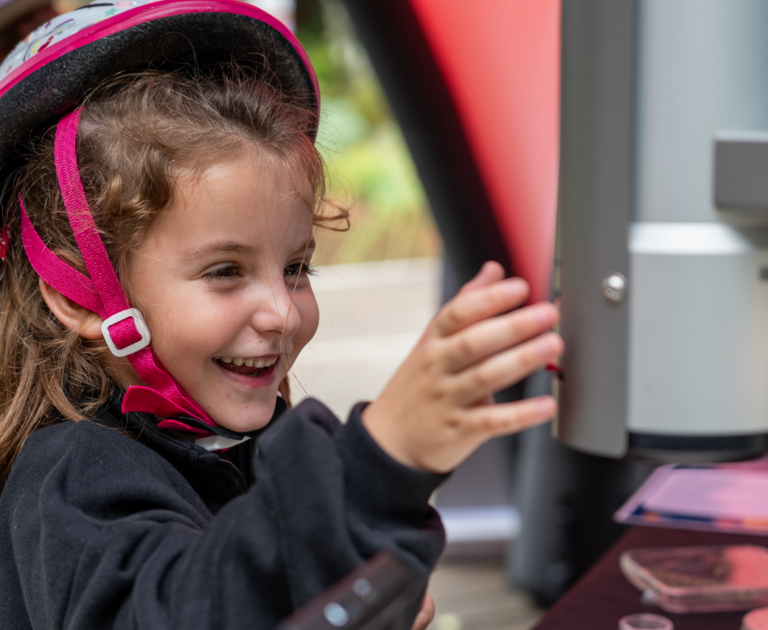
478,304
426,613
490,272
506,418
506,368
497,334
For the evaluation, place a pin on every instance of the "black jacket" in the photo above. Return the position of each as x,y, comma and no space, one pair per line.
112,523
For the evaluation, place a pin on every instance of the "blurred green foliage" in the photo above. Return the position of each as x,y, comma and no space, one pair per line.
370,168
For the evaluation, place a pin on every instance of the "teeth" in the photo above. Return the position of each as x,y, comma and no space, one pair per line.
257,363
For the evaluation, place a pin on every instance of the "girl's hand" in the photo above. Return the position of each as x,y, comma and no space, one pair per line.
437,409
426,613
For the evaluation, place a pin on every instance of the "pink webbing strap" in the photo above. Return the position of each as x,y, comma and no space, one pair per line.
91,247
55,271
102,293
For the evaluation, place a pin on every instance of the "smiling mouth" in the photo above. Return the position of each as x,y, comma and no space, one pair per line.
247,367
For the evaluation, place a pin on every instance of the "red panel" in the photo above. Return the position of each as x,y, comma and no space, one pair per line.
501,62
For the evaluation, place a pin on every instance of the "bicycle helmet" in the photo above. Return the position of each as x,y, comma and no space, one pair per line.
46,77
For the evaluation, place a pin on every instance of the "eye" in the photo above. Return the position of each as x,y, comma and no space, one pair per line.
226,270
299,268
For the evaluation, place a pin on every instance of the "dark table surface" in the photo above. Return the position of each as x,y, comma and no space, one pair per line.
603,595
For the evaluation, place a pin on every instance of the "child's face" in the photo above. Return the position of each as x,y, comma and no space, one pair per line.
222,281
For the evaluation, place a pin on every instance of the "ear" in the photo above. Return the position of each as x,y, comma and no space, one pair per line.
72,315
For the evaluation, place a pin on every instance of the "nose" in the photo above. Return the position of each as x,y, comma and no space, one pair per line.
275,311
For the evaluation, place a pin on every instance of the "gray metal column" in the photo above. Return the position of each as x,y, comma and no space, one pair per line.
594,212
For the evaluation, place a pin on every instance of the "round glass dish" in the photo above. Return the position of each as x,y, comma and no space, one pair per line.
645,621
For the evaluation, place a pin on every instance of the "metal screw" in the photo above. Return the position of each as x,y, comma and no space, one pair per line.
614,288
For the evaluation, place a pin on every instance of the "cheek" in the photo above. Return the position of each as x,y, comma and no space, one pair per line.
179,318
310,318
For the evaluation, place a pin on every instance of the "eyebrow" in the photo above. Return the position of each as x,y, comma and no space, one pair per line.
310,244
233,247
223,247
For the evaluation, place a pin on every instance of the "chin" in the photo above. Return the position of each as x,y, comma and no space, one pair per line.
246,421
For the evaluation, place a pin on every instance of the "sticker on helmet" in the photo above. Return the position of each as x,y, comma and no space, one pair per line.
63,26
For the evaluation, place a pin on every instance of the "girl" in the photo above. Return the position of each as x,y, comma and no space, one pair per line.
162,194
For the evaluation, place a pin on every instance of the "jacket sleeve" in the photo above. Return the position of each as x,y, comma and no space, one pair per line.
102,536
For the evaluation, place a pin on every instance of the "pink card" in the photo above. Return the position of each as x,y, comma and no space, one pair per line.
712,493
726,497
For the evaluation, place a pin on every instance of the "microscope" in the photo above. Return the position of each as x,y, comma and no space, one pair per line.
663,228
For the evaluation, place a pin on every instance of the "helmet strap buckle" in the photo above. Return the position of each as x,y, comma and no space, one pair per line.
138,322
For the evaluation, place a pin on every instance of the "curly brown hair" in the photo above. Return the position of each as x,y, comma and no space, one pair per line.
136,133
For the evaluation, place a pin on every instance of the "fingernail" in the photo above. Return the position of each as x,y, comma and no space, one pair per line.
547,346
515,286
545,407
543,314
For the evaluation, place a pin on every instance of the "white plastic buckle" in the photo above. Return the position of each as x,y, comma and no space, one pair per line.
218,442
141,326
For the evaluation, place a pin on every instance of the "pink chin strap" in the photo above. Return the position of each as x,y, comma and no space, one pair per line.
124,328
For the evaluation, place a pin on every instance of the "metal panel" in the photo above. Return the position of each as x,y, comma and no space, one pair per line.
700,70
594,214
699,341
741,170
699,345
